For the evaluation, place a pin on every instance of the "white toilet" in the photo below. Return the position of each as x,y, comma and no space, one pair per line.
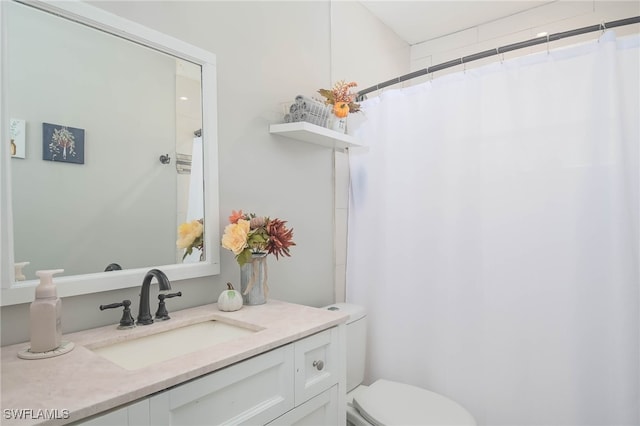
388,403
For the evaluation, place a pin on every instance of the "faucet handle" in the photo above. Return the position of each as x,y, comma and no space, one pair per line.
170,295
127,319
162,313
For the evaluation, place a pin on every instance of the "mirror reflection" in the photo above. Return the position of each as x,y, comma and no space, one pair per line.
107,160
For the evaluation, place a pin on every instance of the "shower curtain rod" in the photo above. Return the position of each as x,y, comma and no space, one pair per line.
508,48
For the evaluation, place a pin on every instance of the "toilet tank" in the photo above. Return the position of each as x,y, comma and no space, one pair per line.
356,342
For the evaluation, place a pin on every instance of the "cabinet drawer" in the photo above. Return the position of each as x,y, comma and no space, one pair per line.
317,364
319,410
254,391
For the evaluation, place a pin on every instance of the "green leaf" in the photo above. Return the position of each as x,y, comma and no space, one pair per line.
187,252
244,256
327,94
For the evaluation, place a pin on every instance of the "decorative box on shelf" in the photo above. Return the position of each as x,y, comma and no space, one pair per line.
311,133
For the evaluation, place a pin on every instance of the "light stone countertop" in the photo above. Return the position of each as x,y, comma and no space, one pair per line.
85,383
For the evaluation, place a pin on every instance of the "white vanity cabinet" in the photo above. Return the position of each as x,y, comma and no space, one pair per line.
290,370
294,383
299,383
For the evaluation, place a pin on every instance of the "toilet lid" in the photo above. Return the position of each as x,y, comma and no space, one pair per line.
387,403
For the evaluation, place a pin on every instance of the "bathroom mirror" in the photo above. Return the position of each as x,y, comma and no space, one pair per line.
111,144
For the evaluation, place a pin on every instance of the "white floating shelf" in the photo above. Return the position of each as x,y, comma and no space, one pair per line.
312,133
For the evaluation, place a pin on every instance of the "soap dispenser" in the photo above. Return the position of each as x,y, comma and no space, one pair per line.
45,321
45,312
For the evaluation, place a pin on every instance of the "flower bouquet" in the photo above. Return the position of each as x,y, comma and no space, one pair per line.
248,234
341,98
190,237
251,238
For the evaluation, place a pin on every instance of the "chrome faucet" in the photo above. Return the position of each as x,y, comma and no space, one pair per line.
144,314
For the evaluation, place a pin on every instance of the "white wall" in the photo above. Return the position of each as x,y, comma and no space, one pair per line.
553,18
365,51
267,53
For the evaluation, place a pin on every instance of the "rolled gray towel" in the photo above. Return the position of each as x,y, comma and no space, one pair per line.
309,110
305,116
313,119
308,103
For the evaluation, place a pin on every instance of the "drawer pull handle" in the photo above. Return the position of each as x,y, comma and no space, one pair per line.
318,364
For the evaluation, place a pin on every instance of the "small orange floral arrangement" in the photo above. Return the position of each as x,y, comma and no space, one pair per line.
248,234
341,98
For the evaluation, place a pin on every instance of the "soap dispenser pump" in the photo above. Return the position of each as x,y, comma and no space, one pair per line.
45,313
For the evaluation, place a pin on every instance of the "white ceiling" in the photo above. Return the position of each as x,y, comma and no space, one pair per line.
421,20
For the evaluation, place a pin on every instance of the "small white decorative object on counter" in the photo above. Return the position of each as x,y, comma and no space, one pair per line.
230,300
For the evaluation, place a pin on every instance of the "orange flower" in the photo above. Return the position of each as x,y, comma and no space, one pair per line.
235,215
190,236
235,236
188,233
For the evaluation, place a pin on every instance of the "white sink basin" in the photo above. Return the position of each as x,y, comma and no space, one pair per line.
148,350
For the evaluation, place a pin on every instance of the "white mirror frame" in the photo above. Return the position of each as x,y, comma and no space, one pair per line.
13,292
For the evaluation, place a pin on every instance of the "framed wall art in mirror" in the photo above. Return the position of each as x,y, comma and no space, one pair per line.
140,106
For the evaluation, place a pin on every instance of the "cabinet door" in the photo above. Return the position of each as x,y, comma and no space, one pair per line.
317,364
136,414
319,410
254,391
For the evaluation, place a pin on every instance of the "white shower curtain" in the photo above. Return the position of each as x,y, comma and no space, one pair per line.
494,232
195,205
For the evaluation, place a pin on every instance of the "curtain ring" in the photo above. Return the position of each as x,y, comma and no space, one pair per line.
603,27
547,44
